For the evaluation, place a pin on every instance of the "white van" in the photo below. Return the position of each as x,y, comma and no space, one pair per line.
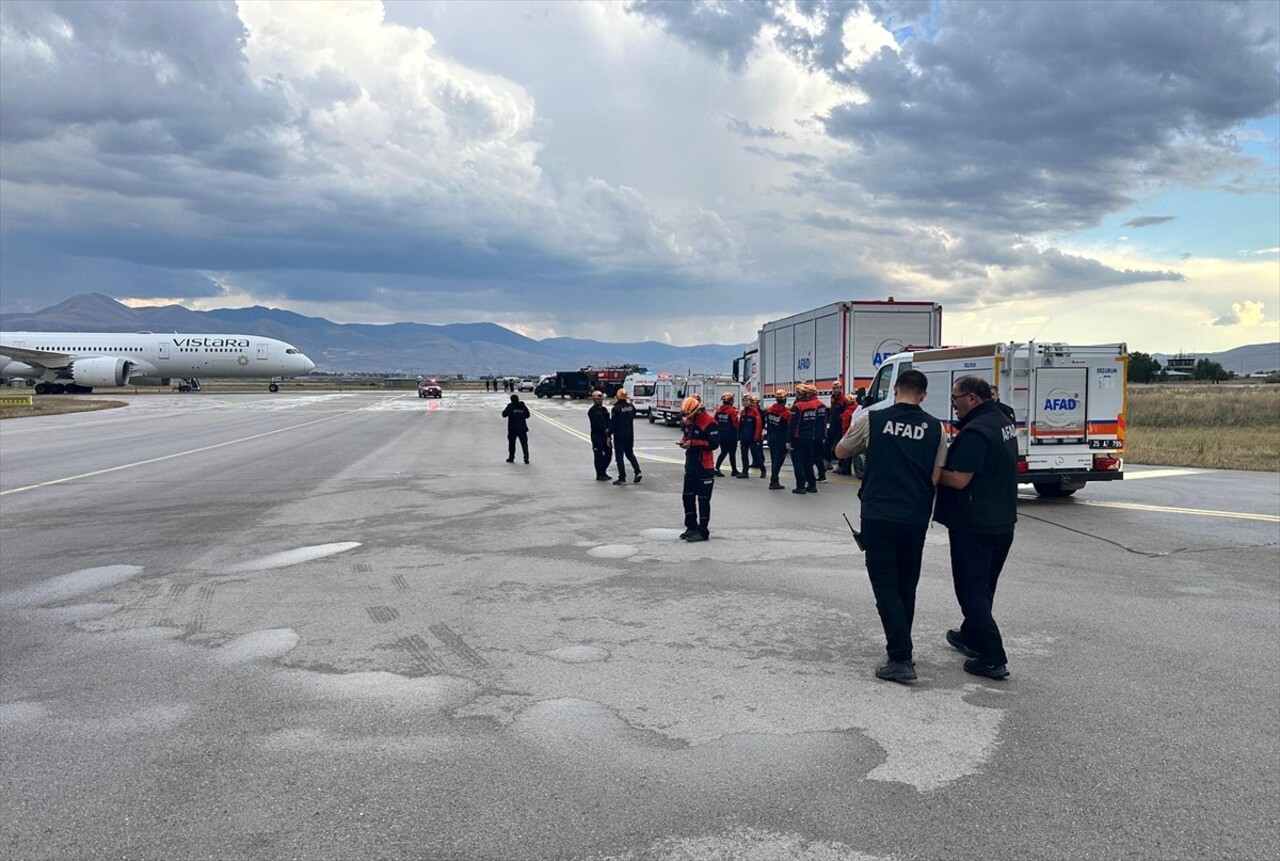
640,387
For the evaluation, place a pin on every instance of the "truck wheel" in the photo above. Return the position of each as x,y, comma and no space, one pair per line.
860,466
651,418
1055,490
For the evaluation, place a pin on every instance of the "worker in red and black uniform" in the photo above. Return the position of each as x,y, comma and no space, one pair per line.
835,419
700,440
750,432
757,447
622,422
807,433
776,421
727,418
600,448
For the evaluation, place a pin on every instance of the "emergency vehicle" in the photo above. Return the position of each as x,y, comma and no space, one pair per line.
837,346
641,386
1069,403
670,392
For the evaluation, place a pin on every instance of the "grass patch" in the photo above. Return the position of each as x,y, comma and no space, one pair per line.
1215,427
53,405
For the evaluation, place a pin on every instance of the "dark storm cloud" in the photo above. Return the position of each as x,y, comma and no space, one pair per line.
1029,117
1148,220
725,29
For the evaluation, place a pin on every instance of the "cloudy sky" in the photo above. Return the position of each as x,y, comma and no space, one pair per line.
676,171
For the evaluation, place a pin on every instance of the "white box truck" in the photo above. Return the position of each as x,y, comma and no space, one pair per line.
840,345
1069,403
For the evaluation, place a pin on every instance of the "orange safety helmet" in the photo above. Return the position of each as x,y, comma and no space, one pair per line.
690,405
726,397
622,394
780,394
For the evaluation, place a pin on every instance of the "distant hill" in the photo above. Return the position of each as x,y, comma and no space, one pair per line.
1241,360
408,348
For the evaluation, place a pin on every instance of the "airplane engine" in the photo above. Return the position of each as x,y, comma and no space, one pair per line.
101,371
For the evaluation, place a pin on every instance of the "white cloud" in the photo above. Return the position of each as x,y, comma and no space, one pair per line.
1246,313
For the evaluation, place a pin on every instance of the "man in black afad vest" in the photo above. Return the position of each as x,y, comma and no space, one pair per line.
600,448
905,451
978,503
622,421
517,415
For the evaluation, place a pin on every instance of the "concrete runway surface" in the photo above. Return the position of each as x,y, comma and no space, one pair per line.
341,626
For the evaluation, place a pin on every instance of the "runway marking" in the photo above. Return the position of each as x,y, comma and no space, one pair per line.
163,458
1168,509
587,438
1162,473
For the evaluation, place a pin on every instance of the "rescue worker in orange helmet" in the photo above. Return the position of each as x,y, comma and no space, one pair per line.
700,440
727,417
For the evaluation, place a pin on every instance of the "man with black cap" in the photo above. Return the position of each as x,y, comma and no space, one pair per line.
599,418
622,421
978,503
905,450
517,414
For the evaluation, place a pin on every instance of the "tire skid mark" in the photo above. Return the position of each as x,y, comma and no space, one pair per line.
400,583
362,568
133,608
382,615
176,591
424,660
200,612
450,638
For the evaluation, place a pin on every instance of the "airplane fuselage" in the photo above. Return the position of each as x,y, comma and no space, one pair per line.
84,360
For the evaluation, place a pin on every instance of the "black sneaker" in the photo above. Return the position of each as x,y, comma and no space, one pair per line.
742,475
976,667
822,480
773,485
622,480
638,477
897,671
697,535
684,536
719,474
799,490
957,642
736,474
511,460
603,477
812,490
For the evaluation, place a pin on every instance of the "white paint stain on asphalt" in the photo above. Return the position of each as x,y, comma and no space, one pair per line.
579,654
68,586
258,646
293,557
613,551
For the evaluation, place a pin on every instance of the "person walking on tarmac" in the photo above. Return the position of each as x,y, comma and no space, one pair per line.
749,433
700,440
776,420
806,433
622,421
599,418
517,415
978,503
727,418
905,449
757,447
835,418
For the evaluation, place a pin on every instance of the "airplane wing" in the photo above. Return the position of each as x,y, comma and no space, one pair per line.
36,358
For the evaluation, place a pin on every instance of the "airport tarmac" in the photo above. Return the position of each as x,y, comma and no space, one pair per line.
342,626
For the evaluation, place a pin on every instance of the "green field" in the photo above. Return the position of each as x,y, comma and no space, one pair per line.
1228,426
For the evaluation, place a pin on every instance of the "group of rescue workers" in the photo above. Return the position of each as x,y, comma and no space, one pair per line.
908,462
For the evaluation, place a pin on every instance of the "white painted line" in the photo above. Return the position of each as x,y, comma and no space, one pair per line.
293,557
1162,473
1166,509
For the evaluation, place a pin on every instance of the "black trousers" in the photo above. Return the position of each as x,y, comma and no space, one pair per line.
523,436
976,561
728,449
802,461
757,457
820,457
893,565
600,449
777,458
624,447
696,498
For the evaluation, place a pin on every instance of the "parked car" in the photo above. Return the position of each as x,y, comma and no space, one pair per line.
526,385
428,389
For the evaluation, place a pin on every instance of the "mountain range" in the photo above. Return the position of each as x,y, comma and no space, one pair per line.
458,348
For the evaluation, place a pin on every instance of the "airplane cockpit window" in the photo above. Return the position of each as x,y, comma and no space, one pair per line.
291,351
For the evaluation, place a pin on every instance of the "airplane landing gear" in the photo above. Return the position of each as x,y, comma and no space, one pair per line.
273,388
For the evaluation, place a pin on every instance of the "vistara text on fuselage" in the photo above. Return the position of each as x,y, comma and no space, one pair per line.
63,362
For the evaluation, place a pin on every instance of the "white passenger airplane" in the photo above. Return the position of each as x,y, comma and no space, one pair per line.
75,362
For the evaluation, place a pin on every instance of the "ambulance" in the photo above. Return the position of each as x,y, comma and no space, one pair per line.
1069,403
640,387
669,393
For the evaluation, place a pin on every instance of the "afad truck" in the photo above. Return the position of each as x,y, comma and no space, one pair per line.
669,394
1069,403
837,346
